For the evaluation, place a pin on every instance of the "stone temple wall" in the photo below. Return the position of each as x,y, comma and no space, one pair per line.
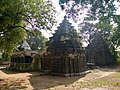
64,65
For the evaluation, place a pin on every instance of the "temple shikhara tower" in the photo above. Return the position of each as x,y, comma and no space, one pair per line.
98,52
65,55
65,40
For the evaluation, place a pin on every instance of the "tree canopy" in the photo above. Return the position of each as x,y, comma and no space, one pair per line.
18,16
36,40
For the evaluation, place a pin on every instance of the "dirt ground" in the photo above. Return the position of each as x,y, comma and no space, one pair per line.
97,79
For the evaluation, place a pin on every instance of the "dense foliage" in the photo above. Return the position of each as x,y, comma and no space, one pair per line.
18,16
36,40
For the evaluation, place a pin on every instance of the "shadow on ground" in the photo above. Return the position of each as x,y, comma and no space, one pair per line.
37,80
8,71
46,81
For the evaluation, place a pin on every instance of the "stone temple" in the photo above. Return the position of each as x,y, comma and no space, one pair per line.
98,52
65,55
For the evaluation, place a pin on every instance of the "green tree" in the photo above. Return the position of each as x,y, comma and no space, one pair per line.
5,56
36,40
18,16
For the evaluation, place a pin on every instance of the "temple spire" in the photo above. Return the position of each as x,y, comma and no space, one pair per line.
64,27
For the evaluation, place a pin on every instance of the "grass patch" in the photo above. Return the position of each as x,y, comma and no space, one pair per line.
111,80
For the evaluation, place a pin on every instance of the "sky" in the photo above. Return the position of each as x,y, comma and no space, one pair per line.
60,17
61,14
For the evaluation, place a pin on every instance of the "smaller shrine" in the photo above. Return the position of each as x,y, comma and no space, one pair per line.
25,60
65,55
98,52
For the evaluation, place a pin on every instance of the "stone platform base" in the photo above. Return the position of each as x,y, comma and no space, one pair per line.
70,74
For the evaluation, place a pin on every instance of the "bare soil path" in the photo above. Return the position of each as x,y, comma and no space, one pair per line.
98,79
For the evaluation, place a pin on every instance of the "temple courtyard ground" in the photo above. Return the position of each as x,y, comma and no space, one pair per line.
97,79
